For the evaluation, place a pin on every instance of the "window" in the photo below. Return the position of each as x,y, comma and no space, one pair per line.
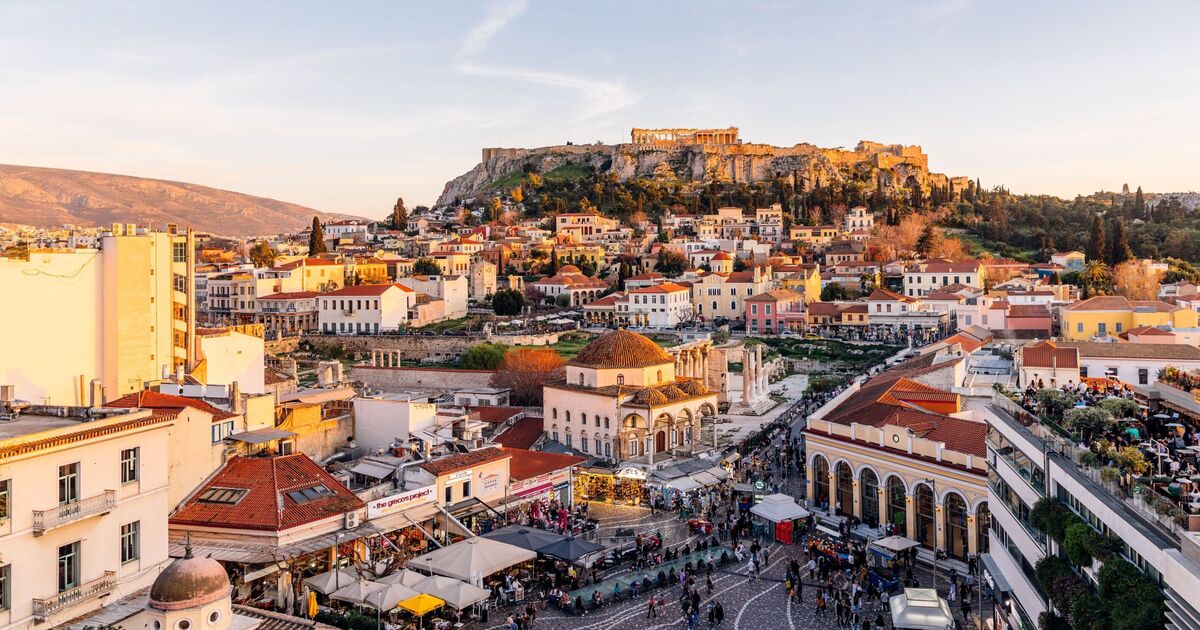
1143,379
309,494
68,483
449,495
5,494
5,580
466,489
179,252
620,379
555,436
608,449
1102,329
569,442
68,566
1079,327
130,545
129,465
227,496
1119,326
583,443
605,422
754,309
221,430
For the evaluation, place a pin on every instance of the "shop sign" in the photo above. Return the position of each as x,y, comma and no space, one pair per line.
631,472
399,502
540,483
462,475
491,483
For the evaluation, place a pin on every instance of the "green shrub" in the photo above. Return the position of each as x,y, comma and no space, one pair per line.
1134,601
483,356
1088,612
1051,621
1055,401
1078,543
1088,459
1120,407
1050,570
1050,516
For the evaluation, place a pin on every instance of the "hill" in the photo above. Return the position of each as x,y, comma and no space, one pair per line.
692,157
47,196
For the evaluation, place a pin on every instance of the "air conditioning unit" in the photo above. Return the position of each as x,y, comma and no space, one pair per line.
351,520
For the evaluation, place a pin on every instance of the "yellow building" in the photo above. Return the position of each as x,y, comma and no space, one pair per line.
1111,315
318,274
367,270
804,279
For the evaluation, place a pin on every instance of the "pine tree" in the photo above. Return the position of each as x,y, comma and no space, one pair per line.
552,264
399,215
316,238
927,240
1119,252
1096,243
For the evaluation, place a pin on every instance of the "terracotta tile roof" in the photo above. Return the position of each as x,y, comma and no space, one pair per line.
1144,331
740,276
528,464
1159,351
943,295
524,433
722,256
267,502
367,289
462,461
149,399
1028,310
294,295
945,266
621,349
778,295
884,294
1047,354
608,300
968,343
571,276
663,287
307,262
647,276
495,414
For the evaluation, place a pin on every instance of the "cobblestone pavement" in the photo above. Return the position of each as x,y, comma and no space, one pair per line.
757,604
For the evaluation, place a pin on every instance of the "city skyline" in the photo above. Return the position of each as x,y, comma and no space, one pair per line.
344,113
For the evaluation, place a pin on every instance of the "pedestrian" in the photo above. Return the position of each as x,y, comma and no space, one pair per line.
651,613
708,583
719,613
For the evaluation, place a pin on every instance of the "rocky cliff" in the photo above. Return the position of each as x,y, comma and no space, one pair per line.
890,166
47,197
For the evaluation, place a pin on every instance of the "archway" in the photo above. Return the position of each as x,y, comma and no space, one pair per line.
897,504
925,533
820,472
845,489
983,522
956,526
868,485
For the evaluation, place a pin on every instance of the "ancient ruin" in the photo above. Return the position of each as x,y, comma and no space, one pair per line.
677,137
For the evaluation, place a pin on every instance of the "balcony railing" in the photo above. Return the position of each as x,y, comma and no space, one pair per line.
45,520
43,609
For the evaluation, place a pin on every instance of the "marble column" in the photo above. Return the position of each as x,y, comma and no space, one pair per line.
939,529
747,369
883,505
910,515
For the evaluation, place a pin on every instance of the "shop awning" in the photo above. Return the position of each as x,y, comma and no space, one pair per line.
705,479
683,484
718,472
376,471
778,508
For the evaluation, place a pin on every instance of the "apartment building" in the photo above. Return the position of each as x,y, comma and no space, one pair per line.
83,508
933,275
82,324
1111,315
723,294
368,308
662,305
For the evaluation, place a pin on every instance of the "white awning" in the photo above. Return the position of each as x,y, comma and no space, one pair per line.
683,484
920,609
778,508
377,471
895,543
718,472
705,479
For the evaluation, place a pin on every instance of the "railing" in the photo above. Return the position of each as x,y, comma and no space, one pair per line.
43,609
44,520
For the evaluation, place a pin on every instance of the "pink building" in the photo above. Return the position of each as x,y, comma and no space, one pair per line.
774,312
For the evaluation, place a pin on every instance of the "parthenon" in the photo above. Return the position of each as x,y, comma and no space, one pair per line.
684,137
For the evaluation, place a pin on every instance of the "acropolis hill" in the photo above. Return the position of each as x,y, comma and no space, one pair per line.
701,155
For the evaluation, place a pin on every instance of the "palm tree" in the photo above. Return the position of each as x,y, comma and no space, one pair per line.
1096,278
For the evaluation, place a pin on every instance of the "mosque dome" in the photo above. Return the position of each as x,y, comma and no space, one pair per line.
621,349
189,582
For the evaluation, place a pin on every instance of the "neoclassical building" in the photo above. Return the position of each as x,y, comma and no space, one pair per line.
904,449
627,400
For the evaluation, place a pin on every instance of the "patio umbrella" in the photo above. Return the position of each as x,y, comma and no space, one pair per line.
421,604
525,537
357,591
473,556
920,609
407,577
389,597
330,581
1161,416
895,543
312,604
1172,424
570,549
454,592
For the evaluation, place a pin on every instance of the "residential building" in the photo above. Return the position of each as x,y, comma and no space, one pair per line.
1070,261
288,313
858,223
1111,315
317,274
723,294
662,305
482,280
775,312
368,308
451,290
1062,362
578,288
83,509
86,324
583,227
934,274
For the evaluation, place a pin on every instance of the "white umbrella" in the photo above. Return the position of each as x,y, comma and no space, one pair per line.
920,609
457,593
465,558
683,484
389,596
778,508
330,581
357,591
895,543
407,577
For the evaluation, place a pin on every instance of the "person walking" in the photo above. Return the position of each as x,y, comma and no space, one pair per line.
718,613
651,612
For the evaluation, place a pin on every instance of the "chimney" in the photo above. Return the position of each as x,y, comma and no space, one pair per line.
96,394
235,398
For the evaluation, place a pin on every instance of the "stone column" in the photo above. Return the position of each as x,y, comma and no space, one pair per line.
747,368
833,492
910,515
810,488
857,498
883,505
939,528
972,534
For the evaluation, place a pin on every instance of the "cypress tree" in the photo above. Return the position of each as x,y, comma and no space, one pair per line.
1096,242
316,238
399,215
1139,203
1120,250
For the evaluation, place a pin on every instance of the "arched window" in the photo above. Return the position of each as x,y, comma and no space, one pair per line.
956,526
897,503
659,377
581,378
983,522
820,469
926,522
583,419
568,415
845,489
554,413
868,484
583,443
608,449
605,422
597,419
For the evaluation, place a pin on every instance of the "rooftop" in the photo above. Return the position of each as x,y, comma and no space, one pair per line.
462,461
621,349
528,464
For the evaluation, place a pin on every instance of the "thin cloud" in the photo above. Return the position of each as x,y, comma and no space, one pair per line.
499,17
599,97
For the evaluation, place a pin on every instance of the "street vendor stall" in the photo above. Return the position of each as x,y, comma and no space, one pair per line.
780,510
920,609
884,571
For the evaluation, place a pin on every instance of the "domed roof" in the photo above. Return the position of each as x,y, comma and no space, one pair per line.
722,256
621,349
693,387
673,393
189,582
650,396
569,269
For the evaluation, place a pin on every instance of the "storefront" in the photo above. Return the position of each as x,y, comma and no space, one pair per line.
551,486
625,485
407,520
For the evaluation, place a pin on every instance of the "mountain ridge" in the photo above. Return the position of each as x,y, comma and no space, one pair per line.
46,196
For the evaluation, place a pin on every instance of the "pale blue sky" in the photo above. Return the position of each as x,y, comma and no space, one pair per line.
343,106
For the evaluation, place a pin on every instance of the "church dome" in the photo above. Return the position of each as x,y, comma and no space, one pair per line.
673,393
722,256
189,582
621,349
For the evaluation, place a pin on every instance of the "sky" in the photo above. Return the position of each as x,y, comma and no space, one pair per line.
344,106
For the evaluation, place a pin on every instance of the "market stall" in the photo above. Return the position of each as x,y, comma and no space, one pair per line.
780,510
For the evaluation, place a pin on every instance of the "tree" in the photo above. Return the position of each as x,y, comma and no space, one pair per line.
1096,279
1087,420
316,238
833,292
518,195
624,272
508,302
399,215
670,263
1134,280
426,267
1133,600
1055,401
525,370
261,255
483,356
1119,250
1096,248
494,207
663,236
1139,203
928,240
551,266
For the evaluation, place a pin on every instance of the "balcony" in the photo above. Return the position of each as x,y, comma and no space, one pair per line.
43,609
46,520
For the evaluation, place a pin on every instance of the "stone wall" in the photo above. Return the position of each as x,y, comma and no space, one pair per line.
398,379
418,347
282,345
